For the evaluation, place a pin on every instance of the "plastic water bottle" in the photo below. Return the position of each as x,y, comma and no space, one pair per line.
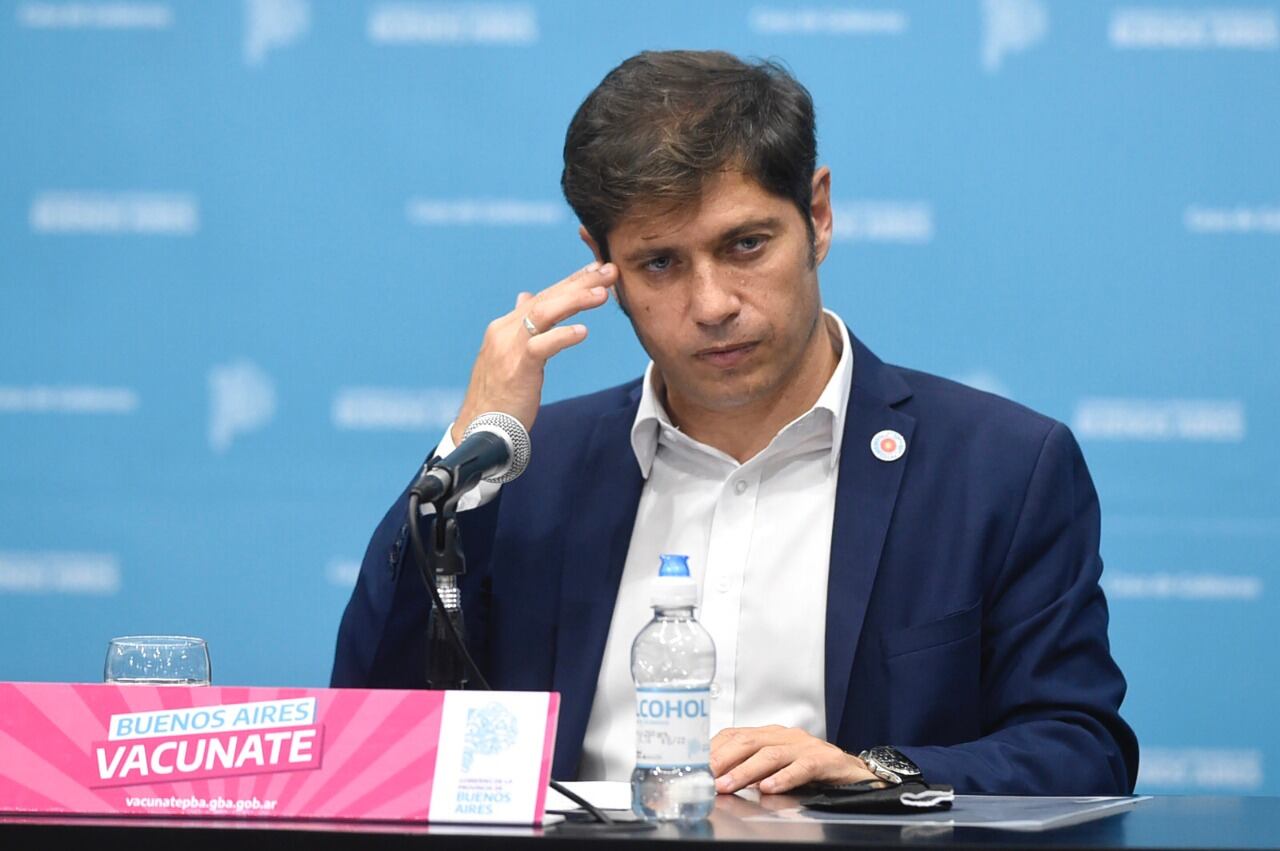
673,661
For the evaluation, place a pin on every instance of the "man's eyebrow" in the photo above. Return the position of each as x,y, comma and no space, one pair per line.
643,253
647,251
766,223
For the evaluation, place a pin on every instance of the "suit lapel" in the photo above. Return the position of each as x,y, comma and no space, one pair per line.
865,497
598,534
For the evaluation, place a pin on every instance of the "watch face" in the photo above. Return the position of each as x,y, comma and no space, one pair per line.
894,761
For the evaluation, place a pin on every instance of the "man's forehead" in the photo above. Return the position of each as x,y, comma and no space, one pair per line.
724,202
657,220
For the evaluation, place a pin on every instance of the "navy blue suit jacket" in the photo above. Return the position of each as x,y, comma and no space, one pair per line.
965,624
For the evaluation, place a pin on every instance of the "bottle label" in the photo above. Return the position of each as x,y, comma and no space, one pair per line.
673,727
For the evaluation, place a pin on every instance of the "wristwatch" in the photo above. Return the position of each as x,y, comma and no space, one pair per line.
889,764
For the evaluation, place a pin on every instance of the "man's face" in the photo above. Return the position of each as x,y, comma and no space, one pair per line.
724,297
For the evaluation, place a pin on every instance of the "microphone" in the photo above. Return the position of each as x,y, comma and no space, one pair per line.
495,447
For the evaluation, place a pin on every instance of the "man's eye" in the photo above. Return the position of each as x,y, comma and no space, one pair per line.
657,264
750,243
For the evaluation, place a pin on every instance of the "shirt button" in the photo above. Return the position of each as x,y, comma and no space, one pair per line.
669,434
723,585
740,486
715,690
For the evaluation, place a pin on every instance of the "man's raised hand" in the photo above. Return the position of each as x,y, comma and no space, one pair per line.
508,372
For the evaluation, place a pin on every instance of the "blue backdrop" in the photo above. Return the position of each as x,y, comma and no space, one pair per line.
225,229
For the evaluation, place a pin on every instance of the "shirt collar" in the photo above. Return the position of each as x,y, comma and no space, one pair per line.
651,416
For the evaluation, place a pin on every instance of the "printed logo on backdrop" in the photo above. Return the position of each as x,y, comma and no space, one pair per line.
1212,420
1246,28
1231,220
242,399
485,212
53,572
115,213
1200,768
395,408
905,222
95,16
1011,26
826,20
453,23
42,399
1182,586
272,25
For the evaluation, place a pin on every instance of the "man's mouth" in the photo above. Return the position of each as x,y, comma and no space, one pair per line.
727,355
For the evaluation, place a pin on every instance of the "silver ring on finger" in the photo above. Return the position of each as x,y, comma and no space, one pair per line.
530,327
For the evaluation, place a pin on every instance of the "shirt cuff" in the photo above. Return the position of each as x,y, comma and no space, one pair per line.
472,499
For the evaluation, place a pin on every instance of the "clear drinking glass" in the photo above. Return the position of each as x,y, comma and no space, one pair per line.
157,660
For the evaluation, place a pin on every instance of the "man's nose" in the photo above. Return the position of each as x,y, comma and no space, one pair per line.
713,297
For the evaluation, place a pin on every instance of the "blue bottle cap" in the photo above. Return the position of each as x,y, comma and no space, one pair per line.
673,565
674,585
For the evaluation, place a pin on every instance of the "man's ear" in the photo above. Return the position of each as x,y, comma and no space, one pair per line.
820,212
587,240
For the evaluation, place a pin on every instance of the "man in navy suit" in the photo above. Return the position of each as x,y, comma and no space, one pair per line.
893,565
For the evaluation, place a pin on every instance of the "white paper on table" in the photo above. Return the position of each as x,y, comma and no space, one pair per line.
605,794
998,812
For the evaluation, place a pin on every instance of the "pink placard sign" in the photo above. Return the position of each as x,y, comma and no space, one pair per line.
384,755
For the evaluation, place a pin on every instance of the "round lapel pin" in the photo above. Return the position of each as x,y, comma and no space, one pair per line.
888,445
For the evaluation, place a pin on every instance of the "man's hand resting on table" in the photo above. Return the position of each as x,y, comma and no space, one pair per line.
778,759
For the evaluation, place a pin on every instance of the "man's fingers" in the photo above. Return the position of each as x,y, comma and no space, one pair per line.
732,745
593,274
803,770
763,763
546,312
778,759
571,296
827,765
724,761
729,747
550,343
508,372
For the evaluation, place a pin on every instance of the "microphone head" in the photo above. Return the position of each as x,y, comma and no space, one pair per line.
513,434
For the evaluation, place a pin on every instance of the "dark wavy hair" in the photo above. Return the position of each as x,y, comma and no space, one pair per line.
662,123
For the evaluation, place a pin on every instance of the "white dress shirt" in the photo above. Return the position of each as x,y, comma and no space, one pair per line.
758,537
